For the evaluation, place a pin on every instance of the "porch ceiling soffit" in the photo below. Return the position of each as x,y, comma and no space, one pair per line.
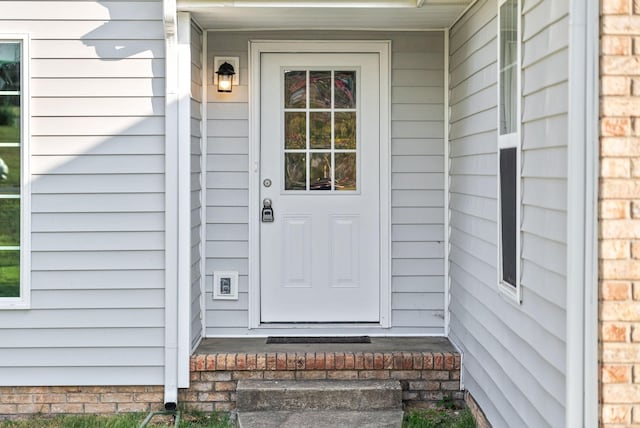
378,15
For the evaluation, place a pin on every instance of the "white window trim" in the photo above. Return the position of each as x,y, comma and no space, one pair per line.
512,140
24,301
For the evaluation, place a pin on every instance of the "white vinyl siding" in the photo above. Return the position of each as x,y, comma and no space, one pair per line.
196,185
417,196
97,146
514,356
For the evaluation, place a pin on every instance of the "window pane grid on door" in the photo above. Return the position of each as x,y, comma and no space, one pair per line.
320,130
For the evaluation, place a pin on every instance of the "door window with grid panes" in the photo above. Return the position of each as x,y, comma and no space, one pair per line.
320,130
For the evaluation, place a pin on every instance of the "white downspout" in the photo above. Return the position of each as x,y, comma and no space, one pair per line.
184,197
582,315
592,83
203,182
447,231
171,209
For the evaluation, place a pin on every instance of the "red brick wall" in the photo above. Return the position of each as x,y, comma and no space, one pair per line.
51,400
619,214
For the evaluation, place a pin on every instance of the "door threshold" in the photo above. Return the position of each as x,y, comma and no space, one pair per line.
312,325
286,340
318,329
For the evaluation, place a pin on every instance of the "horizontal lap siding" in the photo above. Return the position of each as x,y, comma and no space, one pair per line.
227,180
417,181
545,97
514,356
196,185
97,145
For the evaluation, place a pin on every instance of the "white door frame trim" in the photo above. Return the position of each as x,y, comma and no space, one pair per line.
256,48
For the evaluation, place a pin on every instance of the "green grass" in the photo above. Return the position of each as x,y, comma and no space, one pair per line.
439,418
428,418
127,420
90,421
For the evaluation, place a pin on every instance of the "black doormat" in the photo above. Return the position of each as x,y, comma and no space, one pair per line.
292,340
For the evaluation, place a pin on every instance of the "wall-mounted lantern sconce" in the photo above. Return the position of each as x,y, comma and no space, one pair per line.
226,75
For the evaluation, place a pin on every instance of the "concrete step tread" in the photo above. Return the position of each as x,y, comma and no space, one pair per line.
292,395
325,385
321,419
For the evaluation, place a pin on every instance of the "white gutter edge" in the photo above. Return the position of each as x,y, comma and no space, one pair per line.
582,316
193,4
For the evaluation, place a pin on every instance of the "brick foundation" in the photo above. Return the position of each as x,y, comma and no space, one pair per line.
52,400
619,213
425,377
476,411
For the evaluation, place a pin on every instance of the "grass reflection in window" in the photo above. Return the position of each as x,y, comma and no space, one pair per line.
9,273
9,119
320,130
10,168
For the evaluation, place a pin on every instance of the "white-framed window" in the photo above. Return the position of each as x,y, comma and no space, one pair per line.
14,183
509,100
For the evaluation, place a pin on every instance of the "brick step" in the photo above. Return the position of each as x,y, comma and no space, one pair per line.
321,419
287,395
428,371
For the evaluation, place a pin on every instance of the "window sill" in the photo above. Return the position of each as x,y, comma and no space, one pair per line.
510,293
14,304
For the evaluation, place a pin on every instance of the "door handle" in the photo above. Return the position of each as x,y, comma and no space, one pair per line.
267,211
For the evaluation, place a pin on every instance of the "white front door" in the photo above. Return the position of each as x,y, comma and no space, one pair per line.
320,167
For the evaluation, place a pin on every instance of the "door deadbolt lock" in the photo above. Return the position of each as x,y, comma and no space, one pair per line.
267,211
267,182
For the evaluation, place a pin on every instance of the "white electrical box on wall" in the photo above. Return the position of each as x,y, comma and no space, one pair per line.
225,285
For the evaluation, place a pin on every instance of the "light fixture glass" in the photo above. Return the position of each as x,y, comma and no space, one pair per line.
225,77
